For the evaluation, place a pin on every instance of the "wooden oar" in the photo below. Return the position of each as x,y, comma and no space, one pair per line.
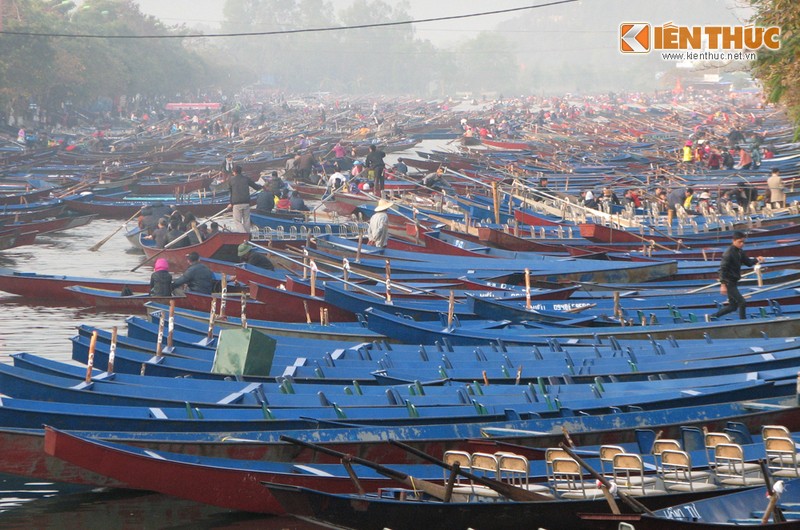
716,284
434,490
322,259
179,238
503,488
774,496
96,246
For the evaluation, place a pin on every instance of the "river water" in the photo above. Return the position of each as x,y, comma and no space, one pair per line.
44,328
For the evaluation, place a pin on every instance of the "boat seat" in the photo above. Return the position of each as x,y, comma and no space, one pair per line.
782,457
629,474
515,469
774,431
568,481
486,465
661,445
678,475
464,460
712,440
607,454
731,468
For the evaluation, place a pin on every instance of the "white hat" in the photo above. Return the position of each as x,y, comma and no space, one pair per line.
383,204
704,195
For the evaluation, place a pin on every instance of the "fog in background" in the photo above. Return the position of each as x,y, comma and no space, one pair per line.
563,48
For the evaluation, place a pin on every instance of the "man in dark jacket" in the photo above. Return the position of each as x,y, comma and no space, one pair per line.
197,278
265,202
730,271
374,162
240,185
227,167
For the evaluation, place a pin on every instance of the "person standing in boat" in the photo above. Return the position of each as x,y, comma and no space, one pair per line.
227,168
197,278
730,272
378,232
304,165
239,186
161,279
777,194
374,162
676,197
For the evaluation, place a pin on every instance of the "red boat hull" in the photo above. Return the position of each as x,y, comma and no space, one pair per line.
221,246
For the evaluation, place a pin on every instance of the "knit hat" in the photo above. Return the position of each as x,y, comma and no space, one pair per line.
161,265
243,249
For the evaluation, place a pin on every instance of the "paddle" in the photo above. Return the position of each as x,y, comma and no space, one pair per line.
96,246
434,490
179,238
284,257
332,264
507,490
774,492
715,284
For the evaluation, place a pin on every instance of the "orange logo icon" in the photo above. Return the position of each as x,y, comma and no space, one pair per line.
634,37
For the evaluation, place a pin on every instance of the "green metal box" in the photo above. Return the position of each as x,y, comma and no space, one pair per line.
243,352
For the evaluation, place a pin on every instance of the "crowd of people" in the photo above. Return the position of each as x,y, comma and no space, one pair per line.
167,226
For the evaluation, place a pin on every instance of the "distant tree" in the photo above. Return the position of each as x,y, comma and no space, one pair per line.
50,70
779,71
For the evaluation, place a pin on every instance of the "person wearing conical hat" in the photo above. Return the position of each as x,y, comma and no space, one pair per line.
378,232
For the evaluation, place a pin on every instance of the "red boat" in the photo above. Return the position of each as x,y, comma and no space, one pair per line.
12,238
24,197
511,146
46,226
231,488
52,287
124,209
500,239
221,246
270,303
171,185
108,299
346,203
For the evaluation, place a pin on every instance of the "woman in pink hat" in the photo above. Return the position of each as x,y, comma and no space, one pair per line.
161,279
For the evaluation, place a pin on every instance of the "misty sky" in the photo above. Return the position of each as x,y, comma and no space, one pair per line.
209,12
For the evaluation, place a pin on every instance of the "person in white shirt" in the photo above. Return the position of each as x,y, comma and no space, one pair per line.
378,232
337,180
